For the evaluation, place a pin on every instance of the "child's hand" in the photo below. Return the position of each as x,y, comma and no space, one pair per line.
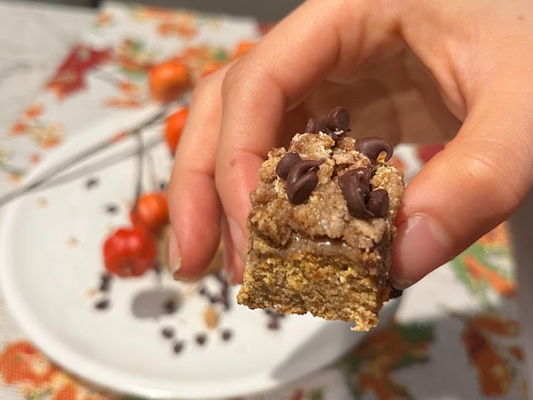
361,54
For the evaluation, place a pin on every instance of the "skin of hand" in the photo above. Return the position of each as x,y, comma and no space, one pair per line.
412,71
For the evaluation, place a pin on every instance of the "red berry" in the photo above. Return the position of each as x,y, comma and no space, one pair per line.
151,211
130,251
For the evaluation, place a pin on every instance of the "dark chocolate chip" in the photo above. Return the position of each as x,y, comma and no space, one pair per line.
178,347
105,281
111,209
201,339
163,186
340,119
395,293
286,163
302,180
102,304
350,185
378,203
226,335
313,126
170,306
91,183
373,146
274,325
168,333
316,126
202,291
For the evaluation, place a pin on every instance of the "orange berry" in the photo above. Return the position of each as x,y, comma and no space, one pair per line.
174,128
168,80
151,211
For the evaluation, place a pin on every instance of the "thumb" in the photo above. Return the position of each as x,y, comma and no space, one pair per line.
466,190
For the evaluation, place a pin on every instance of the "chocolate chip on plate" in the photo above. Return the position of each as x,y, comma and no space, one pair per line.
111,208
167,332
91,183
102,304
201,339
178,347
226,335
105,282
170,305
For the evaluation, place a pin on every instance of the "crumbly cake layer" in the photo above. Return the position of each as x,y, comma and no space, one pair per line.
315,256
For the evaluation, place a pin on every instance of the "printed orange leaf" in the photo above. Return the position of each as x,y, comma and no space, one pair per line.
373,362
117,102
478,271
517,353
494,323
35,158
498,237
105,18
34,111
243,47
18,128
66,392
178,29
132,56
128,88
20,362
494,372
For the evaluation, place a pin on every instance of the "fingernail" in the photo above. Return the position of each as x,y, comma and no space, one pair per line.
423,245
174,255
237,237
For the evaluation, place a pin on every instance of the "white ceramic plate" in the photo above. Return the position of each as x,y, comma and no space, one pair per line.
50,264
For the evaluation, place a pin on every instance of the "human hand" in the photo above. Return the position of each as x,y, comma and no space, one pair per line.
408,71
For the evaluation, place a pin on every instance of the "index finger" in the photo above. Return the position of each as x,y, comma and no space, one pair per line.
281,70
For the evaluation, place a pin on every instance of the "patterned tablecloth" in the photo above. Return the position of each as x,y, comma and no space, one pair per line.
456,335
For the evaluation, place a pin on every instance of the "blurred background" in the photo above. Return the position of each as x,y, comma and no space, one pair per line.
271,10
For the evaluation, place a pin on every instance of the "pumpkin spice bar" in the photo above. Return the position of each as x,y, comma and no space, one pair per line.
321,225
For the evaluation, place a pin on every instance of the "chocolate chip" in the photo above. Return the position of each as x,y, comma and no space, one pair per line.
201,339
339,119
395,293
313,126
178,347
378,203
301,181
105,281
286,163
91,183
316,126
373,146
111,209
274,325
170,306
163,186
226,335
168,333
102,304
350,184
